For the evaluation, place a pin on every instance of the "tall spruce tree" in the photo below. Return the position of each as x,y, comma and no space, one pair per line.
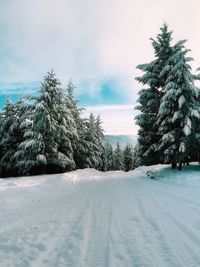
100,144
108,161
10,136
88,151
46,146
179,110
155,74
128,157
118,158
72,105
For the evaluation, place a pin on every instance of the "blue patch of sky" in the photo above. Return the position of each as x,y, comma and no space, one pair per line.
14,91
110,93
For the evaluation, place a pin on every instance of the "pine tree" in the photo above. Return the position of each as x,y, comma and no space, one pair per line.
46,146
136,156
118,158
91,148
100,143
1,147
195,155
10,136
88,154
67,131
30,154
154,77
47,133
178,110
128,157
108,161
72,105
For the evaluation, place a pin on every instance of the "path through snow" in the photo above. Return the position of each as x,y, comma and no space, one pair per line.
92,219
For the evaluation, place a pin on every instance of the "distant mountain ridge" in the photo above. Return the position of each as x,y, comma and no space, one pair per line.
122,139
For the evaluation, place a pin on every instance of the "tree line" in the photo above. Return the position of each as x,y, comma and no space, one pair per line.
169,105
47,134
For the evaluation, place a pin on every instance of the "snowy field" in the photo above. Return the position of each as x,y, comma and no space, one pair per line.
92,219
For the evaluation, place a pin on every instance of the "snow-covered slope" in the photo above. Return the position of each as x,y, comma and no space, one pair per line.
92,219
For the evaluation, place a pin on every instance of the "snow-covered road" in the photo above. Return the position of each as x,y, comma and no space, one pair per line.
92,219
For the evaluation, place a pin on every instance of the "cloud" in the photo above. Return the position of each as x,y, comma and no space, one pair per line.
117,119
89,40
110,92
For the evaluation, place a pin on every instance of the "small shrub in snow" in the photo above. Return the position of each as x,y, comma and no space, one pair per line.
153,175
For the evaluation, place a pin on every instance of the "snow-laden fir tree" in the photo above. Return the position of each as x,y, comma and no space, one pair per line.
109,157
29,154
72,105
118,158
1,152
154,78
10,136
88,151
46,146
100,144
128,157
72,122
195,155
179,110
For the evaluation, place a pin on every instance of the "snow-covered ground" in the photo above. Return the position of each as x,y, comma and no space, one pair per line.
92,219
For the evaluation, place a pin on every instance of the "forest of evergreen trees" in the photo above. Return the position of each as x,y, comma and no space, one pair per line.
46,134
169,105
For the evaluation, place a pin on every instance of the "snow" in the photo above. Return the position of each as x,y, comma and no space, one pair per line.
181,101
89,218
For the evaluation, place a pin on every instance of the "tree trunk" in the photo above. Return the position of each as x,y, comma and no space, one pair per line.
174,165
180,166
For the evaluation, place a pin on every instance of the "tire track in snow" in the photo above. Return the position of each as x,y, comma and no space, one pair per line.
156,234
124,245
99,232
67,248
153,219
176,238
176,233
121,222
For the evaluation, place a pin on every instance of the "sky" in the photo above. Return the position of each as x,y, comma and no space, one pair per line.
97,44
